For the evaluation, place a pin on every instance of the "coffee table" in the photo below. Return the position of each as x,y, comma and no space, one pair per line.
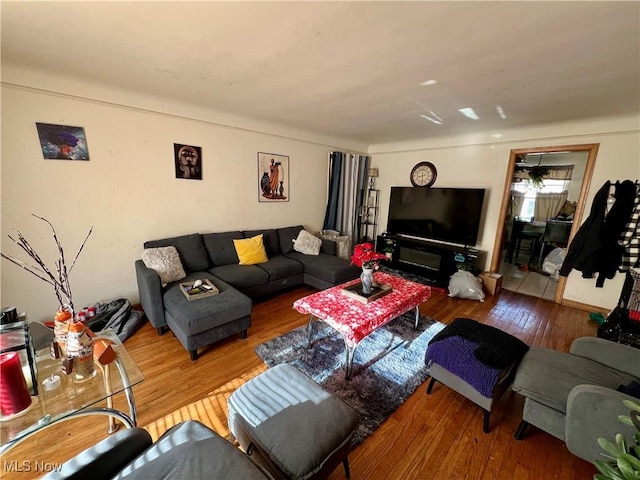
72,399
355,320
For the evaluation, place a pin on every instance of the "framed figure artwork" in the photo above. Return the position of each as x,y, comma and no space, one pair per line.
273,181
188,161
62,142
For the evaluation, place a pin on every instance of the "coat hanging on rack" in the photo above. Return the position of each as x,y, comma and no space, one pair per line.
630,238
614,225
595,247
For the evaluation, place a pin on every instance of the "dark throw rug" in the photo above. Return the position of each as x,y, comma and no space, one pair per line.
387,368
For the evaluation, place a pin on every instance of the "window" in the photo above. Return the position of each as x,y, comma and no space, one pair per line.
529,201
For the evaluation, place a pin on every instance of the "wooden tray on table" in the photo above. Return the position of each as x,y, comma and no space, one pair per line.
377,291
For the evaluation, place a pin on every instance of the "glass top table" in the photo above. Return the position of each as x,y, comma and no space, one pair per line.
73,399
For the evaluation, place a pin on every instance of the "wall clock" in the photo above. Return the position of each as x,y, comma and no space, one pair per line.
423,174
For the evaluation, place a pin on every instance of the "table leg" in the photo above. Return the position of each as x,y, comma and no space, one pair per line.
310,331
350,351
415,327
128,391
106,376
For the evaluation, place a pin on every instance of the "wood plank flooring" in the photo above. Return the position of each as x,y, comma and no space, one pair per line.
437,436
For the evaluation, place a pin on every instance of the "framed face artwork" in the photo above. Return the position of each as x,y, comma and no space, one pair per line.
62,142
188,161
273,181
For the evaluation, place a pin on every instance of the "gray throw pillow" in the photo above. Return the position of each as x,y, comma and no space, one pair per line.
166,262
307,243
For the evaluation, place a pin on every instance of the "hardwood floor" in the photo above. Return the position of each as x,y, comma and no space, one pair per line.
437,436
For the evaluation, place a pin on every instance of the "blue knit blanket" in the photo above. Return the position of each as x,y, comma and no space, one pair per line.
455,354
475,352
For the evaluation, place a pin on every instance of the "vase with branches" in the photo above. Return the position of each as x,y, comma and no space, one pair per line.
57,277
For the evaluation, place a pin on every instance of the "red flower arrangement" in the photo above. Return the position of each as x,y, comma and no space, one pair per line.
365,256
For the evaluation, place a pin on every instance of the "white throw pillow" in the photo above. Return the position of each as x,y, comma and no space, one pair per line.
166,262
307,243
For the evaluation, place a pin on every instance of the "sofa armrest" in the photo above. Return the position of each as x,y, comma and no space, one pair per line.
615,355
592,412
106,458
329,247
150,292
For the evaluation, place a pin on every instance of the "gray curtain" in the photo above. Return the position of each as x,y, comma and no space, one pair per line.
347,176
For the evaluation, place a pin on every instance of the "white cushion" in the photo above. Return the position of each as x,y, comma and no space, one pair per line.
307,243
166,262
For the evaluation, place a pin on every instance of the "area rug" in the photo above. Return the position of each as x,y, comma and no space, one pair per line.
387,368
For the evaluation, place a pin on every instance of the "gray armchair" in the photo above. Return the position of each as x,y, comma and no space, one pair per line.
573,395
189,450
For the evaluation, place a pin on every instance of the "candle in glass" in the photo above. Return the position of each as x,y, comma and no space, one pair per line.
14,395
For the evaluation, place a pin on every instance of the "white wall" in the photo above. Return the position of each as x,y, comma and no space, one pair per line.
128,191
481,161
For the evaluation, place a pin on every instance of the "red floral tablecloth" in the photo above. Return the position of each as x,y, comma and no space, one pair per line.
354,319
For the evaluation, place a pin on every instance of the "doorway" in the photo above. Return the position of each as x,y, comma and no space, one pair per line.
505,219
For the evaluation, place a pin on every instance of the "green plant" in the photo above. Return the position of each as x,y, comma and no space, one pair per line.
537,174
625,459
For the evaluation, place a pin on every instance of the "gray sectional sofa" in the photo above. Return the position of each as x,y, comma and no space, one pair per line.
213,256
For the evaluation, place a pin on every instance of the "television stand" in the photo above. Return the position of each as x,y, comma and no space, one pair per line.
432,260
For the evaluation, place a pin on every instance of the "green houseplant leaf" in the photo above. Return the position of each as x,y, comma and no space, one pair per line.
625,458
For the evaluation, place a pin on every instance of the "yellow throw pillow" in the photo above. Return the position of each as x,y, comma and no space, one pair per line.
251,250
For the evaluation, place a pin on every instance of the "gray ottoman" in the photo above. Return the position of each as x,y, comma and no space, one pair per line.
290,425
477,361
201,322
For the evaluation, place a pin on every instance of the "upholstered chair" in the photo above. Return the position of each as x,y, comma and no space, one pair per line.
574,396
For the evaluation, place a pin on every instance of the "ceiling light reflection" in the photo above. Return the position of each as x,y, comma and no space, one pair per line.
428,82
433,118
500,111
469,113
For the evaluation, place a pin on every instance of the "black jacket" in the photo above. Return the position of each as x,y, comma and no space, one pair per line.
595,247
583,252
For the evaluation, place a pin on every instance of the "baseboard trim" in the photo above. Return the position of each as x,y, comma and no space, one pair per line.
584,306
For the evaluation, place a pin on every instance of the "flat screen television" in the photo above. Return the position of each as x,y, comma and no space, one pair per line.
445,214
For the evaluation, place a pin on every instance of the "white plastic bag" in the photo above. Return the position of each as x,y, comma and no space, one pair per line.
464,284
553,262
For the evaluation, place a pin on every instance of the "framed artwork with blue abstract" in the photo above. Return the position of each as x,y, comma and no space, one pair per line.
62,142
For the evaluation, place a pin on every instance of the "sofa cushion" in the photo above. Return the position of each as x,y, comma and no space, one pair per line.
329,268
190,247
250,250
547,376
286,236
220,247
241,276
331,247
166,263
281,267
269,238
307,243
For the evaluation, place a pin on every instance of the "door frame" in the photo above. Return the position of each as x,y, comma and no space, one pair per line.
592,148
